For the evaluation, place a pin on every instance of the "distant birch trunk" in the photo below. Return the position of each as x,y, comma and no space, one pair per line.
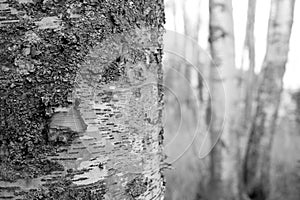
248,87
258,154
191,29
223,176
250,48
192,53
81,100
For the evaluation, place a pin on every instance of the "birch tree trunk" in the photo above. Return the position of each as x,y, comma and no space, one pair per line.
257,159
192,24
248,85
222,83
81,99
250,48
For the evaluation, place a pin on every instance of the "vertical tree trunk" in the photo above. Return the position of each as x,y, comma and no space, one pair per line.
257,159
192,24
174,7
81,99
222,83
191,29
250,48
248,85
296,97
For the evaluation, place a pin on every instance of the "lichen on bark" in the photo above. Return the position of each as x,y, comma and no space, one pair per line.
81,99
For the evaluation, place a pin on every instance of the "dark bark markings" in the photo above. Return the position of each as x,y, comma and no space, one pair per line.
257,160
44,44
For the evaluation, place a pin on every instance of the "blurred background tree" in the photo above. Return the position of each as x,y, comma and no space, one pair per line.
263,126
225,86
223,90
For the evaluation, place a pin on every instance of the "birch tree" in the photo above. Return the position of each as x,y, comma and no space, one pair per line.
257,159
191,22
249,46
247,88
81,99
222,79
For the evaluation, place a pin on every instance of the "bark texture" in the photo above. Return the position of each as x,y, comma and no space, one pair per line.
257,159
221,110
81,99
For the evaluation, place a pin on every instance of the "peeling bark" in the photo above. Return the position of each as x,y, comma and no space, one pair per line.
257,159
81,99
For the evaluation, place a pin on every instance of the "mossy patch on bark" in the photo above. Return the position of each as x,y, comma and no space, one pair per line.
43,44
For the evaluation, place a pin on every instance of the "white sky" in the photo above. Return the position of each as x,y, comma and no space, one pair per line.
292,75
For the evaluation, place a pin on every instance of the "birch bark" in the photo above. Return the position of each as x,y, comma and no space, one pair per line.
257,159
223,89
81,99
